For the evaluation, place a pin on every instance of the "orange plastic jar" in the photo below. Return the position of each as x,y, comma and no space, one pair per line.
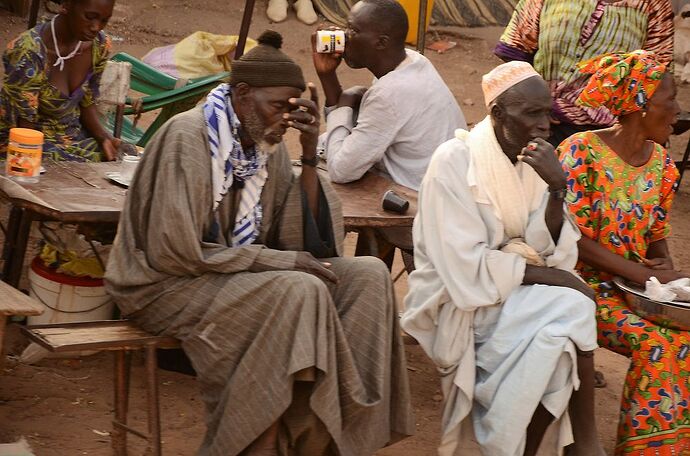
24,153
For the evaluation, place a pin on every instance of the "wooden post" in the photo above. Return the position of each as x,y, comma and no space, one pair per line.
421,26
33,14
244,28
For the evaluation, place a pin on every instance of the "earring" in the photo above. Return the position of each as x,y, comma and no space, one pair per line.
644,114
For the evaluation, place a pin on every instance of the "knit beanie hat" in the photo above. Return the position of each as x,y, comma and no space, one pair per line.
267,66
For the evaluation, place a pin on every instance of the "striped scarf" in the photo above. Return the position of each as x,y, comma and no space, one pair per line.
231,163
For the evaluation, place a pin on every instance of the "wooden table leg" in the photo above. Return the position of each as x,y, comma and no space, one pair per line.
3,321
11,241
33,13
18,231
152,399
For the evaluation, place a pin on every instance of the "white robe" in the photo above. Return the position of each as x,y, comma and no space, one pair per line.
501,347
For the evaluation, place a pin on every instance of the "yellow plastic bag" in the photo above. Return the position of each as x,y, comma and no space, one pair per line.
200,54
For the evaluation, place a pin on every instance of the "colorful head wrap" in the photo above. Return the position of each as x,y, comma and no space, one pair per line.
623,83
505,76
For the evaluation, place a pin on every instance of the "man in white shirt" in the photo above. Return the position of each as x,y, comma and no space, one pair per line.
397,123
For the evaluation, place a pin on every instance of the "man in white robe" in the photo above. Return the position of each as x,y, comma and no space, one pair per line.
494,300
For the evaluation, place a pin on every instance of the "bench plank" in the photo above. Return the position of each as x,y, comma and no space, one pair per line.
14,302
95,335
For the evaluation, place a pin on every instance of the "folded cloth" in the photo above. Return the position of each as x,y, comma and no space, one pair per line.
676,290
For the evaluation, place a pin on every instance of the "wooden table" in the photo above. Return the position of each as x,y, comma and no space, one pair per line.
80,193
68,192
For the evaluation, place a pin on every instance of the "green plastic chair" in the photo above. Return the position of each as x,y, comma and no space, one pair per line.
161,91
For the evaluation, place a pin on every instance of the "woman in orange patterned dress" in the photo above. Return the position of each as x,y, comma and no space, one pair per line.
621,184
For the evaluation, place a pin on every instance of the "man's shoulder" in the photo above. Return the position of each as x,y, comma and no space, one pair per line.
450,158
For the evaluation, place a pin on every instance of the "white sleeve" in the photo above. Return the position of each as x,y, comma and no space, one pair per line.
451,234
352,150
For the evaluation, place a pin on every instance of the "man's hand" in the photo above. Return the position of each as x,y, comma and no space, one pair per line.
556,277
324,64
570,281
305,118
352,97
305,262
541,156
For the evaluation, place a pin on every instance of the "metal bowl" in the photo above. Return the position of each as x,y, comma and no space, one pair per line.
668,314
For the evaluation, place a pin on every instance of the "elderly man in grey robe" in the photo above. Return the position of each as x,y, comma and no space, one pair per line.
218,245
494,300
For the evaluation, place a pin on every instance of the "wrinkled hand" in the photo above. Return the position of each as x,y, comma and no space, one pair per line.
541,156
306,262
324,63
352,97
305,118
109,147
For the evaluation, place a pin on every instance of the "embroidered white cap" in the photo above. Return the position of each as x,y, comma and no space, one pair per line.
505,76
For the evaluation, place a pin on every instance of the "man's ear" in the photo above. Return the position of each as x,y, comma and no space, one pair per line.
496,111
242,90
382,42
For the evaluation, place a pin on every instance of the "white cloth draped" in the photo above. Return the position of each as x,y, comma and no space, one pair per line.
501,347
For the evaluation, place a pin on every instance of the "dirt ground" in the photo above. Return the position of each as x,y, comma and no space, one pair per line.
63,406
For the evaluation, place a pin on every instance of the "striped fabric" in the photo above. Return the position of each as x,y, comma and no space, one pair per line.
462,13
247,319
558,34
231,163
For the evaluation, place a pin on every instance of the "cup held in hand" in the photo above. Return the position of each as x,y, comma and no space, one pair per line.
394,202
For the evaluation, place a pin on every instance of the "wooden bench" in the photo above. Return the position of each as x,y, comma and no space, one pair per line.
14,302
121,337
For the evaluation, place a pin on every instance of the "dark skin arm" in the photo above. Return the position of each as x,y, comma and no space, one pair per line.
599,257
555,277
307,122
325,66
89,119
541,156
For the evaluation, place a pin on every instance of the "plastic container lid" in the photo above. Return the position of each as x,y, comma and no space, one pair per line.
26,136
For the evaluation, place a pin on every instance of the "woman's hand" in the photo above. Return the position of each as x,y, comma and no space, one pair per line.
109,147
658,263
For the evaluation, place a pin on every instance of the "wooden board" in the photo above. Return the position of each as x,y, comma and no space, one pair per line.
14,302
69,192
95,335
362,203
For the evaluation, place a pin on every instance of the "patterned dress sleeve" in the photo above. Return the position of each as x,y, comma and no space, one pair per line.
660,30
578,163
520,39
661,228
24,79
101,52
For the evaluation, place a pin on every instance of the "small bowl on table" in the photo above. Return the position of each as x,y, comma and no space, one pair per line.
667,314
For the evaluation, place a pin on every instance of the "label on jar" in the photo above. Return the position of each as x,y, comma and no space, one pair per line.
23,161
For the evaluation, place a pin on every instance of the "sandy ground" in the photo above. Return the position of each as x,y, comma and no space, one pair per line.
64,406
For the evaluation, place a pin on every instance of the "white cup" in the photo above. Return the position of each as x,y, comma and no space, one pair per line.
128,167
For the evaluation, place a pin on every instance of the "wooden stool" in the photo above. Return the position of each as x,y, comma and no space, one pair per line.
14,302
120,337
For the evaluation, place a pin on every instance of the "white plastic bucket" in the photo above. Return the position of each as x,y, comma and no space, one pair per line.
67,299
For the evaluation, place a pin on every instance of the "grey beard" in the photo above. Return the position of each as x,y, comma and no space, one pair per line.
257,130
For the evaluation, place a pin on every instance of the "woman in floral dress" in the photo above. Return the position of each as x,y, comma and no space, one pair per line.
52,73
621,184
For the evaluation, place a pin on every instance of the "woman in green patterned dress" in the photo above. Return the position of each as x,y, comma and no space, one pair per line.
52,72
